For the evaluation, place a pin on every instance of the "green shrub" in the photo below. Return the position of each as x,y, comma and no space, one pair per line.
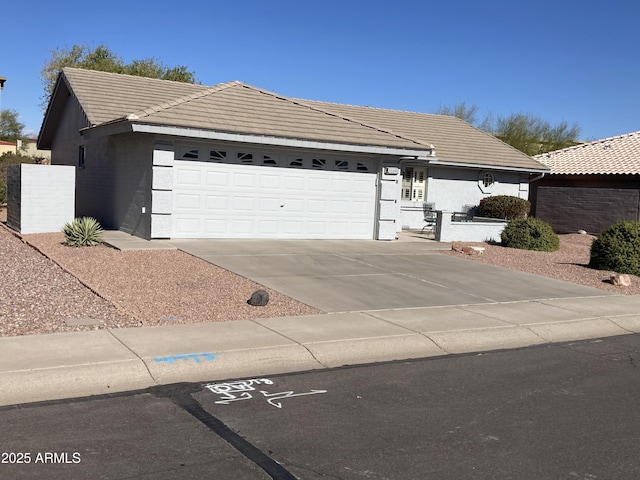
530,234
617,249
504,206
83,232
3,192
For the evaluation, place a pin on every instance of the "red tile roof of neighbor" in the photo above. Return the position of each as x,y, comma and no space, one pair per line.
615,155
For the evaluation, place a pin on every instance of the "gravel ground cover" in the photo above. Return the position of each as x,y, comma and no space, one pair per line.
101,287
47,287
568,263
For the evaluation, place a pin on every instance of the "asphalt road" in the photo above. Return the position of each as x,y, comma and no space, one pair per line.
566,411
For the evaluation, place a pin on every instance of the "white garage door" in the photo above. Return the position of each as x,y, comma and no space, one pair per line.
280,199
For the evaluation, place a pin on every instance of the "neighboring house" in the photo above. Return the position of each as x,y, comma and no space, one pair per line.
162,159
8,147
31,150
590,186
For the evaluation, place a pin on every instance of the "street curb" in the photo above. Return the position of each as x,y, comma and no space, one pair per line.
69,365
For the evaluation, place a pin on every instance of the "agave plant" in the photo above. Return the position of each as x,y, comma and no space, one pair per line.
83,232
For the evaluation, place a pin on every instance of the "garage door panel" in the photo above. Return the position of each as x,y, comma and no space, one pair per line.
268,227
293,227
293,205
215,226
243,203
360,208
242,226
341,185
316,185
244,180
189,177
216,200
272,182
216,203
216,179
188,202
316,205
269,205
188,225
295,182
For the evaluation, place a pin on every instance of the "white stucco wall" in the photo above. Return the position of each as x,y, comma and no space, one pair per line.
451,189
41,197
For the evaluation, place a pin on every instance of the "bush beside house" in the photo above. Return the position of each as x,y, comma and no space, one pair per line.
618,249
504,206
530,234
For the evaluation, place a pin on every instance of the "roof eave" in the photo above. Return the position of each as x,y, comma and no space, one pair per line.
445,163
52,115
176,131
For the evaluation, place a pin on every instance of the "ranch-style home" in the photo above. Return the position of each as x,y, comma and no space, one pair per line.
162,159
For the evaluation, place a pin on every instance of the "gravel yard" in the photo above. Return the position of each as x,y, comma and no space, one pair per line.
568,263
109,288
101,287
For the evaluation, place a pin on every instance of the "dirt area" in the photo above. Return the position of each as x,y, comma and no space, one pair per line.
48,287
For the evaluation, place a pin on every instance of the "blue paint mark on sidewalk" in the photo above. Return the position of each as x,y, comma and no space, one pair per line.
187,357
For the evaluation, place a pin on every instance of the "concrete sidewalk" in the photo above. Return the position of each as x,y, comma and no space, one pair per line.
65,365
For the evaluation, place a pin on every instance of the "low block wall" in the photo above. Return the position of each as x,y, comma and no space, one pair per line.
40,198
475,231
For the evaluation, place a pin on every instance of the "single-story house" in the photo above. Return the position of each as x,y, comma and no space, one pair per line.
591,186
8,147
162,159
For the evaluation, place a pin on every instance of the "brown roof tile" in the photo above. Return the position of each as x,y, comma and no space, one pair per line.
614,155
235,107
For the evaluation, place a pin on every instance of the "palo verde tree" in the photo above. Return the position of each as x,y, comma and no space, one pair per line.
528,133
461,111
532,135
103,59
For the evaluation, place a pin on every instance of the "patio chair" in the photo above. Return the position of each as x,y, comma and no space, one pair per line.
430,218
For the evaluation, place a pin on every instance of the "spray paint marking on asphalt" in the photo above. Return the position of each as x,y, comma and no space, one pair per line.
246,389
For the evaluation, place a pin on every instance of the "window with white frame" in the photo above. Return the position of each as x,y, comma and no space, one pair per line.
414,184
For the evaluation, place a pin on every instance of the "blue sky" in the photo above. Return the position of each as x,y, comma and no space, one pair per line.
562,60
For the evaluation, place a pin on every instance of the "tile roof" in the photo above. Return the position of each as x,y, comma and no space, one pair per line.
455,141
235,107
614,155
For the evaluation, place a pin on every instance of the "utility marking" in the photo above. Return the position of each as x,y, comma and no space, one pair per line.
196,357
246,389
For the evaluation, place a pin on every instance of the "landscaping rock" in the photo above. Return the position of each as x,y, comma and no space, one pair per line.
259,298
621,280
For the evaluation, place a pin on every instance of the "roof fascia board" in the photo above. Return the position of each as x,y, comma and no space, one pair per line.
274,141
444,163
61,92
106,129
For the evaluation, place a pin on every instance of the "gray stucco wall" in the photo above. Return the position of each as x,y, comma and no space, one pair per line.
115,183
131,156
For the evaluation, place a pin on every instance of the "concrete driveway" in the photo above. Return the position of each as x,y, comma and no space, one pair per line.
363,275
